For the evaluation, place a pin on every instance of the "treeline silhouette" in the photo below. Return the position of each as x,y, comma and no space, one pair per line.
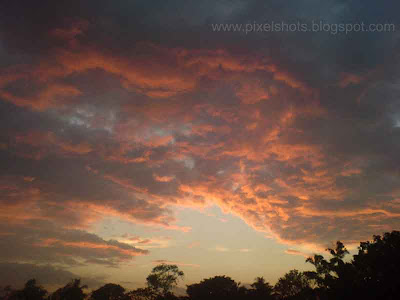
372,273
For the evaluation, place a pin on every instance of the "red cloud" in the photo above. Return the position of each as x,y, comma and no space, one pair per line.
191,128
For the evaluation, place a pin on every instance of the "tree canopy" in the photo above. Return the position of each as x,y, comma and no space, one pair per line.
292,285
218,287
72,291
163,278
109,291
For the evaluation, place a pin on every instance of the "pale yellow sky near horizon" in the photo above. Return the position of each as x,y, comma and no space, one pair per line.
217,244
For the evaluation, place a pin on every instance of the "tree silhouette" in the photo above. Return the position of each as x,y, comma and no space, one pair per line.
140,294
327,272
293,285
372,274
216,288
261,290
163,278
377,266
6,292
334,278
109,291
31,291
72,291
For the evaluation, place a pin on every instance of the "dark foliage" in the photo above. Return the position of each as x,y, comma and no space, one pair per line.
72,291
31,291
109,291
218,287
373,273
163,278
294,285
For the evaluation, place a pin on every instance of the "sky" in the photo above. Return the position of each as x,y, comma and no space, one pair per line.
133,133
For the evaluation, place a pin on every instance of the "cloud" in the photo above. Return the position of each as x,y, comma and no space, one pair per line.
14,274
147,243
193,245
47,243
296,252
163,178
162,261
245,250
45,140
44,99
221,249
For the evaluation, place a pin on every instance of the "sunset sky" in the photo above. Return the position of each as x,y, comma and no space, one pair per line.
133,133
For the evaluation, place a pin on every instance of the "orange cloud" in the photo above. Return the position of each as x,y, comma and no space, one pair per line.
164,73
252,92
264,159
51,96
347,79
163,178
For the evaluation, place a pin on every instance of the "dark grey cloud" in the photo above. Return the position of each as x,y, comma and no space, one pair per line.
15,274
44,242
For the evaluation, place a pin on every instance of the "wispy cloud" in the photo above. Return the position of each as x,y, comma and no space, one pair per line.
163,261
221,249
245,250
297,252
194,245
